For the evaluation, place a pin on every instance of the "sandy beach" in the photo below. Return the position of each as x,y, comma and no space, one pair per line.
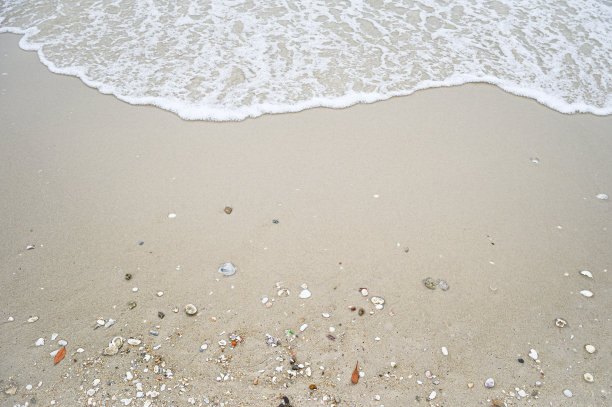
493,194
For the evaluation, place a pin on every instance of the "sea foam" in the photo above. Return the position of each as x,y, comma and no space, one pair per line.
233,59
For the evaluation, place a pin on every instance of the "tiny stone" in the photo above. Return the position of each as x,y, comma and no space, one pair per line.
522,393
589,377
533,354
160,293
96,382
29,387
128,276
154,333
161,315
305,294
432,395
589,348
603,197
521,360
228,210
470,385
135,289
312,387
586,293
443,285
325,315
62,342
172,215
444,351
361,311
54,336
40,342
567,393
32,319
489,383
11,319
203,347
430,283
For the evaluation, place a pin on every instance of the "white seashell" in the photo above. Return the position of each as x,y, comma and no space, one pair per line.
109,323
522,393
603,197
110,351
586,293
227,269
325,315
54,336
62,342
589,348
489,383
587,273
40,342
135,289
32,319
589,377
303,327
54,353
305,294
95,382
364,292
134,341
160,293
533,354
117,341
191,309
432,395
567,393
444,351
100,322
203,347
172,215
222,342
80,350
378,302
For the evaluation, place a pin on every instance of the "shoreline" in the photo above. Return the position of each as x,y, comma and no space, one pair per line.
439,184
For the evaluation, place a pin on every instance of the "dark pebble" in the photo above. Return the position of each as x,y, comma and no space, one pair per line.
161,315
521,360
140,243
295,367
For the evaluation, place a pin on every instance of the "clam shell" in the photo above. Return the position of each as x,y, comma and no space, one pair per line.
191,309
227,269
587,293
587,273
134,342
378,302
111,351
560,323
117,341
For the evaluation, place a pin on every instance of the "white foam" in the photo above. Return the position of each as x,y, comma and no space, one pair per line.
228,60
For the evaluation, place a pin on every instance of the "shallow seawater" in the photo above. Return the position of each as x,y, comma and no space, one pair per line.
228,60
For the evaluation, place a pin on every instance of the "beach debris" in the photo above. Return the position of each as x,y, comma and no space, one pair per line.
364,291
521,360
30,247
355,375
305,293
303,327
325,315
603,197
533,354
378,302
54,336
589,377
271,341
535,160
109,323
489,383
470,385
134,341
586,293
62,342
587,273
589,348
161,315
567,393
361,312
443,285
190,309
275,221
203,347
560,323
132,304
127,276
171,215
312,387
227,269
228,209
432,396
331,337
113,347
444,351
235,339
59,355
430,283
32,319
40,342
160,293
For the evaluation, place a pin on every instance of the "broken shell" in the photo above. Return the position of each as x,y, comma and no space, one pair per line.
603,197
117,341
134,342
589,348
227,269
378,302
361,311
443,285
560,323
191,309
364,291
228,210
161,315
32,319
132,305
430,283
128,276
110,351
489,383
586,293
589,377
305,294
587,273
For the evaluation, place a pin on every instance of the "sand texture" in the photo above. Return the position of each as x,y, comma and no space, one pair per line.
492,193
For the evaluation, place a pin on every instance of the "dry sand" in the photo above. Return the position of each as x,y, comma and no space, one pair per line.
439,184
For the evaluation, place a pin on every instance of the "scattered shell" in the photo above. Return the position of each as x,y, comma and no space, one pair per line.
11,319
54,336
134,341
444,351
325,315
586,293
160,293
227,269
135,289
62,343
228,210
117,341
172,215
222,342
364,291
154,333
110,351
161,315
567,393
30,247
132,305
561,323
430,283
303,327
432,396
305,294
589,348
589,377
443,285
489,383
191,309
603,197
128,276
587,273
109,323
533,354
470,385
378,302
32,319
40,342
203,347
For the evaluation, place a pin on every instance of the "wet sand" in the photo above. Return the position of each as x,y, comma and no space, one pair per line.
492,193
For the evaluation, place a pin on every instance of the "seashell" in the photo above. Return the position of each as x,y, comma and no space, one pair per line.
589,377
32,319
305,294
110,323
560,323
364,291
134,341
603,197
110,351
191,309
132,305
443,285
587,273
117,341
430,283
589,348
587,293
567,393
533,354
489,383
378,302
227,269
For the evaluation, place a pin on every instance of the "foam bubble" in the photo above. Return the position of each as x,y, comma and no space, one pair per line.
228,60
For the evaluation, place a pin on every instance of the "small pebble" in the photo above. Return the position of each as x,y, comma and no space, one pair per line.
470,385
96,382
364,292
11,319
533,354
325,315
154,333
303,327
32,319
305,294
489,383
587,273
172,215
522,393
161,315
228,210
203,347
589,348
432,395
160,293
443,285
29,387
589,377
62,342
567,393
603,197
40,342
444,351
128,276
135,289
586,293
